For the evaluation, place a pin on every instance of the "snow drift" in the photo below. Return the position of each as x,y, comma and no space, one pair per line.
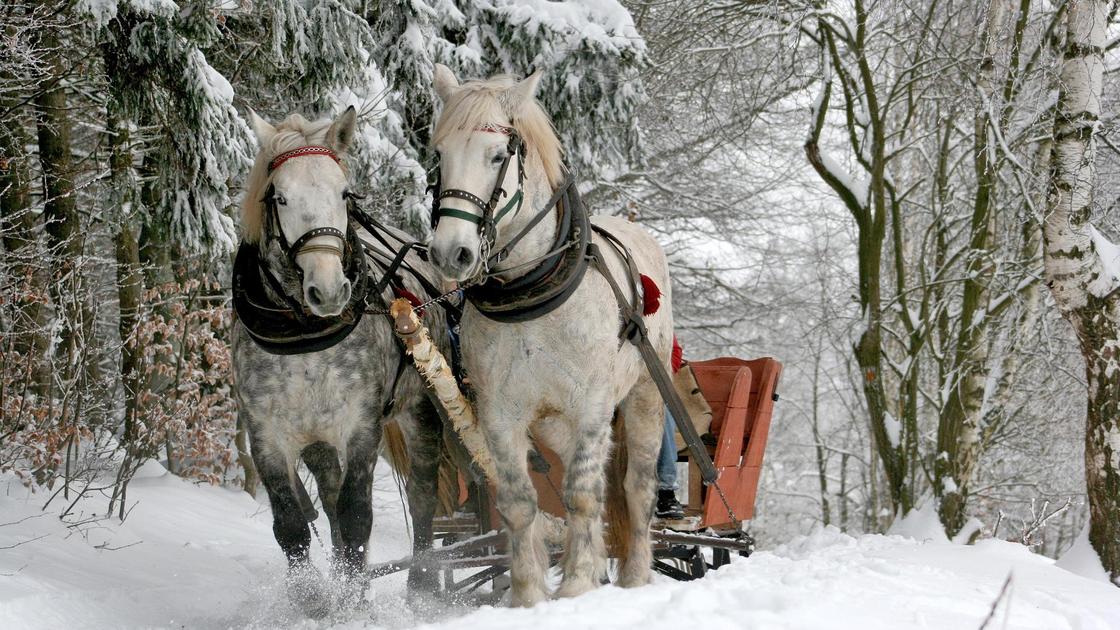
203,557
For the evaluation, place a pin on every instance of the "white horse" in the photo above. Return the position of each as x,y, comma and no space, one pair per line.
559,377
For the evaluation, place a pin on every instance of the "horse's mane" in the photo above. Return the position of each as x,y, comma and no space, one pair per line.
294,132
479,102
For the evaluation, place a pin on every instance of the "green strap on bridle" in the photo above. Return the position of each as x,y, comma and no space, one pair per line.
460,214
514,201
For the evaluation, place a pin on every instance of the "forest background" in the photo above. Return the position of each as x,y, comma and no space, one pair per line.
907,202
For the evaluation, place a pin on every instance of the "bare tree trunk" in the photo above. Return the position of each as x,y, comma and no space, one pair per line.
130,279
60,213
822,460
17,224
870,216
1085,287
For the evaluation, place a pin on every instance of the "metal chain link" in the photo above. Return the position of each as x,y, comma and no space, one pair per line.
722,497
423,305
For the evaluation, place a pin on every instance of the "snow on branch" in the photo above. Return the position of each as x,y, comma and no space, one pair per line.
1109,256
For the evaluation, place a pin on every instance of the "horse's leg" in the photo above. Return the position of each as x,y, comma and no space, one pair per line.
305,585
517,505
423,492
322,460
644,414
585,556
355,500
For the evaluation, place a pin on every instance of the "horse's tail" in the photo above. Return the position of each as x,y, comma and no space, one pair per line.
396,451
447,480
618,514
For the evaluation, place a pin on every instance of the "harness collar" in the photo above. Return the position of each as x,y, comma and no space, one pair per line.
555,277
286,327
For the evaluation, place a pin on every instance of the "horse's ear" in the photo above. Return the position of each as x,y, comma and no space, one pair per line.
445,82
525,90
341,133
261,128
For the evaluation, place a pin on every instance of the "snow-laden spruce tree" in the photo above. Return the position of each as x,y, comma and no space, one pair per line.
589,53
200,142
316,59
1083,267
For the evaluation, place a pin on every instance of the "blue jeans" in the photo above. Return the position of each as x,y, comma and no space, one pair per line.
667,458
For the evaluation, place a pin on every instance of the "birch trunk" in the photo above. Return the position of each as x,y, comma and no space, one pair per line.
959,431
1083,286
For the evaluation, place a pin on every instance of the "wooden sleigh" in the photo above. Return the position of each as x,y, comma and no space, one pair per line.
741,394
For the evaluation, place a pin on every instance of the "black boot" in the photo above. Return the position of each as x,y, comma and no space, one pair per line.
667,505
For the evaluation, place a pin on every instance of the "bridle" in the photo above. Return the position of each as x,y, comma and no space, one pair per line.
354,266
274,230
279,322
491,215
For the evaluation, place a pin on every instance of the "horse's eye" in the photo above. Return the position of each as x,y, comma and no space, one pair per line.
498,159
280,200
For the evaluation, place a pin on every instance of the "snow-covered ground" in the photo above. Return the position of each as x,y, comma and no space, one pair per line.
201,557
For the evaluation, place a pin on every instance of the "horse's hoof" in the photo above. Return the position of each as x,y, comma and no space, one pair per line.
574,588
352,592
423,579
527,598
308,592
634,581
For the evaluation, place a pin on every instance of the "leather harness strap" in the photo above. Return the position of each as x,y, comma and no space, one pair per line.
490,214
555,276
634,330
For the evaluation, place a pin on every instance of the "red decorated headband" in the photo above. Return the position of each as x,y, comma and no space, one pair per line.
300,152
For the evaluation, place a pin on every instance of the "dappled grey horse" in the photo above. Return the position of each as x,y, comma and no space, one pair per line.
315,379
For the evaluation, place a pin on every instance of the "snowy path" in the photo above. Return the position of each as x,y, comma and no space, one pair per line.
203,557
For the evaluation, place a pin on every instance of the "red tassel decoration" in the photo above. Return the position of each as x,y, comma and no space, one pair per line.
651,295
402,292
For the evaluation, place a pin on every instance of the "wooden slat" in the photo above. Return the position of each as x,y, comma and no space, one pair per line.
741,426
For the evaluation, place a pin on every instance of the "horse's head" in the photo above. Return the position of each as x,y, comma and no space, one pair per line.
493,139
295,207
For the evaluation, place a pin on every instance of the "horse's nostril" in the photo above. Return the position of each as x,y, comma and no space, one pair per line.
345,290
463,256
314,296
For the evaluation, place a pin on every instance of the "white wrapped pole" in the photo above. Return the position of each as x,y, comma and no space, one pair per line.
435,369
